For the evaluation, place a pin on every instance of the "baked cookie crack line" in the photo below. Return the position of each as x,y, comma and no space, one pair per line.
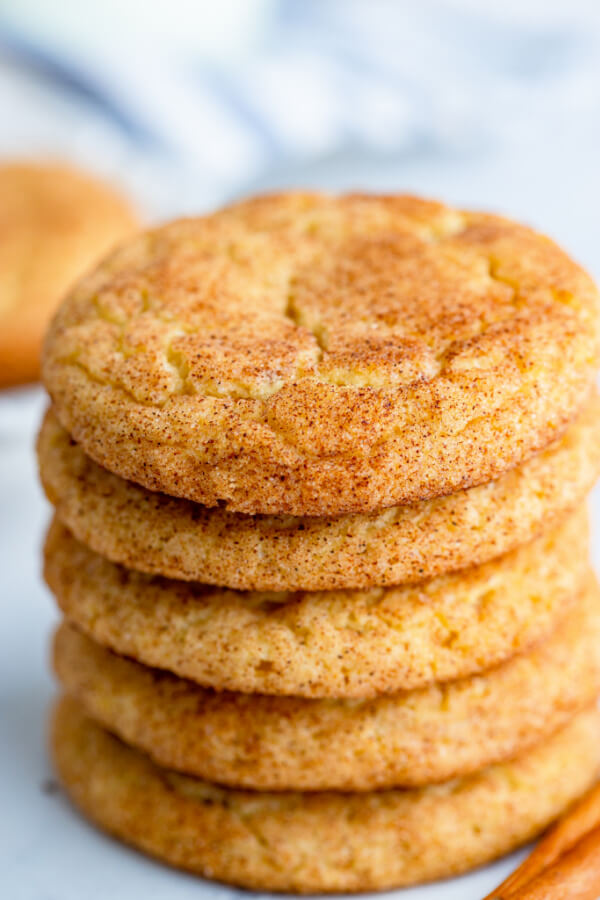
179,783
296,316
105,315
114,385
494,265
177,363
558,295
185,384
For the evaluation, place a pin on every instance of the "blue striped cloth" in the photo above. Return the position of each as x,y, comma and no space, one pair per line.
320,77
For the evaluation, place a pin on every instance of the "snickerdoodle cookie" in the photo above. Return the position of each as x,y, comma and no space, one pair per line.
55,222
324,644
286,743
178,538
311,355
321,841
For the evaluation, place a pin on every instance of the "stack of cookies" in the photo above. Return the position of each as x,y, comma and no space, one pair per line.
319,468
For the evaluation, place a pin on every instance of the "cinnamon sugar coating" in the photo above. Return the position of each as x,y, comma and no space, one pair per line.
321,842
288,743
310,355
340,644
169,536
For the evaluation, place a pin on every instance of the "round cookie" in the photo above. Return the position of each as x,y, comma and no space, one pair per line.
324,644
55,222
285,743
154,533
311,355
330,842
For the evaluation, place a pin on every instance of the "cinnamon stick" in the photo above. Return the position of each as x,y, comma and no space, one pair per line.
571,833
574,876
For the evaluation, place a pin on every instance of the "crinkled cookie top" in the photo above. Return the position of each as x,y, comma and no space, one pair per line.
307,354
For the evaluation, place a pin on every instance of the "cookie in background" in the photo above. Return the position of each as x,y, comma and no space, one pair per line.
55,222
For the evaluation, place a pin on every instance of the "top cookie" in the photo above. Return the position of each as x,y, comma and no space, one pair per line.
311,355
55,222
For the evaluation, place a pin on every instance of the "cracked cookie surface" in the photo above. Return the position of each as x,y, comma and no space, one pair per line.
310,355
324,644
287,743
168,536
324,841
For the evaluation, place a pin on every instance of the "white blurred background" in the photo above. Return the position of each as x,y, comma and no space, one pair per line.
187,104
